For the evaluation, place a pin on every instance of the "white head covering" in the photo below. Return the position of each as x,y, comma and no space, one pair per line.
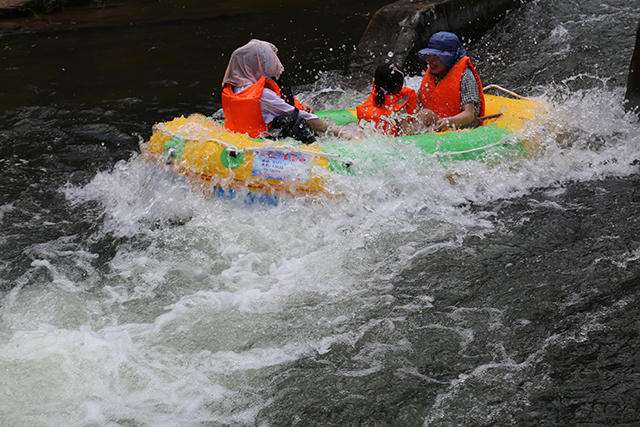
250,62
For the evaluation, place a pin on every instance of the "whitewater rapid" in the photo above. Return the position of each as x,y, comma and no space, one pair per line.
204,300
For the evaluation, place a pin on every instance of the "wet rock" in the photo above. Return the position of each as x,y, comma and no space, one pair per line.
399,30
10,4
13,8
633,83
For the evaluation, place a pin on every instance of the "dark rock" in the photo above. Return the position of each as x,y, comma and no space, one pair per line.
14,8
633,83
400,29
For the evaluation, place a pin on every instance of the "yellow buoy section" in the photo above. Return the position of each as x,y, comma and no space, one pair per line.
514,113
201,148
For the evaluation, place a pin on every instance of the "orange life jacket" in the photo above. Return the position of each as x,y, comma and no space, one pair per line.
406,101
443,97
242,112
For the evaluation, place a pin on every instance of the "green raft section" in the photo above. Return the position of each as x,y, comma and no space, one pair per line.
480,143
338,117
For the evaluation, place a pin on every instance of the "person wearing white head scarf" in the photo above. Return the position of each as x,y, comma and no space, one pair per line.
253,68
250,62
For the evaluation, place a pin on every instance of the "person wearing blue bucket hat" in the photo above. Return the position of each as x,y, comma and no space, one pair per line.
451,89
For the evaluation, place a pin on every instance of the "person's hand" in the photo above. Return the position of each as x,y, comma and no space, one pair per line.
307,108
426,118
409,126
443,124
351,134
345,133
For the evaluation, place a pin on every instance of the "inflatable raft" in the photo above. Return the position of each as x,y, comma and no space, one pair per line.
224,162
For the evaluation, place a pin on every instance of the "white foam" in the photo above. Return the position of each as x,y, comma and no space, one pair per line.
205,298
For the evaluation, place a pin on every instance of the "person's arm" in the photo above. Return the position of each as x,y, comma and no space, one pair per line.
318,125
422,120
273,106
303,107
467,117
321,126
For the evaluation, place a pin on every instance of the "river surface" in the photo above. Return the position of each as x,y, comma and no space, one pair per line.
508,297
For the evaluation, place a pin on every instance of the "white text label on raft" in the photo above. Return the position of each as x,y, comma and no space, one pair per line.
281,165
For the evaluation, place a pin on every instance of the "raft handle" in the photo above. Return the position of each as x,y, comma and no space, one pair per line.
438,154
501,89
171,153
234,151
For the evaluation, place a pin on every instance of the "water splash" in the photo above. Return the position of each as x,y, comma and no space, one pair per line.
203,298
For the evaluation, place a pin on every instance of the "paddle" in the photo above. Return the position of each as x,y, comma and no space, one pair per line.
490,116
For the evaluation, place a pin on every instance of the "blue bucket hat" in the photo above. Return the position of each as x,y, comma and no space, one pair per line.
446,46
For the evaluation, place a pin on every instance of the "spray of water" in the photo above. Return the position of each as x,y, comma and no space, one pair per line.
205,299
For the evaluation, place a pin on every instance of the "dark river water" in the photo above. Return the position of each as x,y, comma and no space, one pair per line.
509,297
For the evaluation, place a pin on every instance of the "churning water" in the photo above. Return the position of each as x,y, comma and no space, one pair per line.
133,300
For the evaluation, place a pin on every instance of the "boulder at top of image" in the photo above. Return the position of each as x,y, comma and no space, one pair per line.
400,29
